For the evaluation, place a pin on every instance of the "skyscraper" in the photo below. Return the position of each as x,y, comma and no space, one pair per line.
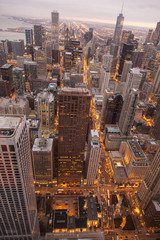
128,112
6,83
18,202
125,56
126,69
127,36
156,82
39,36
151,183
74,105
112,110
118,29
156,34
44,108
93,157
55,28
29,36
133,80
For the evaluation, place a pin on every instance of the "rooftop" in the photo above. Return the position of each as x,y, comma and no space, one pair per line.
136,149
8,125
74,91
42,144
6,66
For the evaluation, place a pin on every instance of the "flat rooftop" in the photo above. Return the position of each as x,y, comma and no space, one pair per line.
42,144
6,66
136,149
33,123
8,125
74,91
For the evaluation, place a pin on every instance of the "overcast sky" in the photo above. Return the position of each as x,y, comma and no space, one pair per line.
136,12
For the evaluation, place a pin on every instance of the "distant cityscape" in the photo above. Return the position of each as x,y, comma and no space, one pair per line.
79,130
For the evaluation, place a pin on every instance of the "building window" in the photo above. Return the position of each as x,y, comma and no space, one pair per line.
4,148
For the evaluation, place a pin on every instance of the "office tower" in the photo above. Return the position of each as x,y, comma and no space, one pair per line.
43,160
125,56
67,60
93,157
75,78
127,36
44,108
74,105
137,58
48,49
6,83
156,128
3,59
128,112
107,61
114,52
154,63
111,109
17,48
133,80
39,36
55,56
149,50
18,106
126,69
104,80
19,80
18,201
151,183
145,77
156,35
55,28
29,36
30,70
40,59
118,29
156,82
34,129
149,35
90,34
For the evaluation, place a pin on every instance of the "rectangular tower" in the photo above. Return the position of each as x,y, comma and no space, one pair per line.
18,216
55,28
74,105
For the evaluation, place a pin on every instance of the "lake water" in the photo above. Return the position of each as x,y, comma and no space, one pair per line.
8,22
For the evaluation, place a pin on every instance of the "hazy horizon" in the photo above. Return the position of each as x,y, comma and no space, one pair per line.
136,13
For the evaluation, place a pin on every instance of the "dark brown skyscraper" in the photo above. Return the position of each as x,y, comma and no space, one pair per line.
6,83
74,105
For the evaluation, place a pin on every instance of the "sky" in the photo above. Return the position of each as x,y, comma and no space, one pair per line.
136,12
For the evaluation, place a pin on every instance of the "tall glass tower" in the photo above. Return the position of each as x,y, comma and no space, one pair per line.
118,29
55,28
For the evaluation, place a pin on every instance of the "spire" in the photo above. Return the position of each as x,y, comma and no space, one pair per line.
122,7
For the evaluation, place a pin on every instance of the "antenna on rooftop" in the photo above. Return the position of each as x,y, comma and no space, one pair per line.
122,7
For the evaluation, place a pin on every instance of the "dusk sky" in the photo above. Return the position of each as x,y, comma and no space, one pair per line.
136,12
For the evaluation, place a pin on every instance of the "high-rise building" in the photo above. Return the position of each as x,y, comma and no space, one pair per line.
55,28
104,80
74,105
127,36
67,60
137,58
156,34
128,112
30,70
133,80
149,35
6,83
151,183
93,157
118,29
40,58
156,82
3,59
125,56
43,160
18,201
19,80
111,109
39,36
126,69
29,36
149,50
44,107
107,61
48,49
17,48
